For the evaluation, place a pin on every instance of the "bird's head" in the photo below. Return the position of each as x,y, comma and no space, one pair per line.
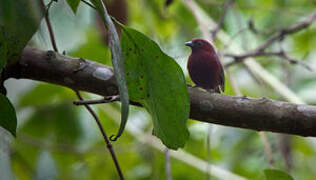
197,44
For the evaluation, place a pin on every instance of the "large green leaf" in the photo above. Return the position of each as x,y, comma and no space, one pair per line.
274,174
7,115
157,82
19,20
117,61
73,5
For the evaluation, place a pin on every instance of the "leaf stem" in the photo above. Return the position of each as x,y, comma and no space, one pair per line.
49,26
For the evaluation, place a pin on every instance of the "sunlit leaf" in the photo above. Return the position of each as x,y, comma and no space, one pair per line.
7,115
274,174
157,82
19,20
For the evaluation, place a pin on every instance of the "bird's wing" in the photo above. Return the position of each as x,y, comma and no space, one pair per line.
222,75
222,78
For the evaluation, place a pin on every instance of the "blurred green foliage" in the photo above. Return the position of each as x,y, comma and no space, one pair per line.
54,134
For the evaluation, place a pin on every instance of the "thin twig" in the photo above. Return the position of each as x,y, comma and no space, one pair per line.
219,25
49,26
261,50
281,54
88,3
293,61
108,99
238,58
98,101
105,137
267,148
108,143
292,29
253,29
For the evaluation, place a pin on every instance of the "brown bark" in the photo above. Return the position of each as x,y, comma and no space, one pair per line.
260,114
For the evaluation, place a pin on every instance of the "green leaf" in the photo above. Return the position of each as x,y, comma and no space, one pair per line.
157,82
274,174
73,5
7,115
118,63
19,20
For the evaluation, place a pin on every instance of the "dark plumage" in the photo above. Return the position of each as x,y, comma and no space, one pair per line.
205,69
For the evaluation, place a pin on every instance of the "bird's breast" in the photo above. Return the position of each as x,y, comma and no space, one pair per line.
203,70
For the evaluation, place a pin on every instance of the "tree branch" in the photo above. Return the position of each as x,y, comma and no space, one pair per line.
261,50
290,30
219,25
281,54
260,114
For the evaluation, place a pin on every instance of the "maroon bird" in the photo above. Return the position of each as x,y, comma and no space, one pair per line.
205,69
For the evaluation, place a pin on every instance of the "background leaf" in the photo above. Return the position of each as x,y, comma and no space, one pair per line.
49,93
58,122
156,81
274,174
19,20
7,115
73,5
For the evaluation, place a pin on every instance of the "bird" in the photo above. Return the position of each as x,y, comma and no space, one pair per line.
204,66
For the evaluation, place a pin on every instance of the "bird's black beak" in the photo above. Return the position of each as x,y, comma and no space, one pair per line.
189,43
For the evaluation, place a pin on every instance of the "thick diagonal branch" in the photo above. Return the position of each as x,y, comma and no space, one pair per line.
252,113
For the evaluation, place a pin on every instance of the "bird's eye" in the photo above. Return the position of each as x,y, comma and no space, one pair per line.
199,43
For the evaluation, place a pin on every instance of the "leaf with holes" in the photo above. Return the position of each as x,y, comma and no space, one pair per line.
19,20
73,4
7,115
157,82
